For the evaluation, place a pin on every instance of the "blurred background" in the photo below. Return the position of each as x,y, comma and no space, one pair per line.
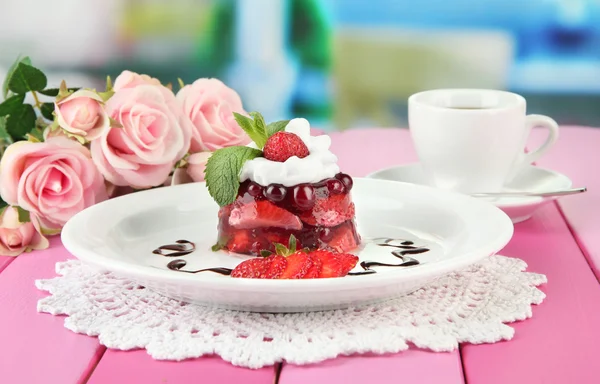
340,63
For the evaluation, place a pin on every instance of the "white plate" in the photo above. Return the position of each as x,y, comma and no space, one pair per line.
530,179
119,235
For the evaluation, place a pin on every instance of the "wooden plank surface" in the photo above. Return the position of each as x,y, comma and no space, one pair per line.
4,261
577,155
36,348
559,344
121,367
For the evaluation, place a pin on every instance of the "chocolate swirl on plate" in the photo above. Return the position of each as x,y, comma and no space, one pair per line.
180,248
404,248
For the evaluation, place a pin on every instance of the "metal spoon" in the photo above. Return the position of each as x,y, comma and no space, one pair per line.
539,194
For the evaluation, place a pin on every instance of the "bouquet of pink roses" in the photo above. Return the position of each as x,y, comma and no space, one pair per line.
85,146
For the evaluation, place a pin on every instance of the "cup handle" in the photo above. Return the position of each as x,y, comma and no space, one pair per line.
540,121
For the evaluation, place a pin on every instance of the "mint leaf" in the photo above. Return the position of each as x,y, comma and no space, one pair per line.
47,109
27,78
53,92
256,132
223,172
10,73
11,104
20,122
275,127
24,216
259,122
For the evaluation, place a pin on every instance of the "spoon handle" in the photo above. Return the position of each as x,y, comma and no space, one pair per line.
563,192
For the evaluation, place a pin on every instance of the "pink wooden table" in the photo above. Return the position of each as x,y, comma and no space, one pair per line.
560,344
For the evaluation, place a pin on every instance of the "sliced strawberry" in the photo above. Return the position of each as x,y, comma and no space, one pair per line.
251,269
344,239
298,265
330,211
262,213
348,262
240,242
335,264
277,265
315,270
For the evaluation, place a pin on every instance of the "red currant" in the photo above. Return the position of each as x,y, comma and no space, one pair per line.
275,192
255,189
243,188
346,179
304,196
335,186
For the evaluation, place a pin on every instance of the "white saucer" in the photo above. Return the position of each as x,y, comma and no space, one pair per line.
451,231
530,179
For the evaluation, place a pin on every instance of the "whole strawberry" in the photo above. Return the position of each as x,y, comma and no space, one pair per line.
283,145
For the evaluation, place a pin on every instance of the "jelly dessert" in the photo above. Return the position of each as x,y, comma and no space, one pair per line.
285,184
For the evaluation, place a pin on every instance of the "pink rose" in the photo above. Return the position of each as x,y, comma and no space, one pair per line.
82,114
210,104
194,171
17,237
53,180
143,152
128,79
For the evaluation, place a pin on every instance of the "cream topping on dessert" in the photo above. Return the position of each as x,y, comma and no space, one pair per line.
320,164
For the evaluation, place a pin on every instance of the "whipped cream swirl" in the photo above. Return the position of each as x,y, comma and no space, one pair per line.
320,164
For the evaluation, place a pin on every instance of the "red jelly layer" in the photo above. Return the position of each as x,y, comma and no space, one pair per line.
319,215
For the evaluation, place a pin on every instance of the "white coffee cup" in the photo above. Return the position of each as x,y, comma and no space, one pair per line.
473,140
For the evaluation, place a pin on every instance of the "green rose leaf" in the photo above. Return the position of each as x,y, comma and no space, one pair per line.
24,216
5,139
11,104
3,205
53,92
276,126
21,122
223,172
47,109
27,78
10,73
36,135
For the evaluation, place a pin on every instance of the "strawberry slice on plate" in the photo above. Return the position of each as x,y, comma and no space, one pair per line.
298,264
277,265
262,213
315,270
335,264
251,269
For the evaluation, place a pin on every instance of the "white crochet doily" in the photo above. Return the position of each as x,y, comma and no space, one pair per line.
471,306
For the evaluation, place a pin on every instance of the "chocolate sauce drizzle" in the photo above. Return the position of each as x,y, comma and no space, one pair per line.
177,264
181,248
405,248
